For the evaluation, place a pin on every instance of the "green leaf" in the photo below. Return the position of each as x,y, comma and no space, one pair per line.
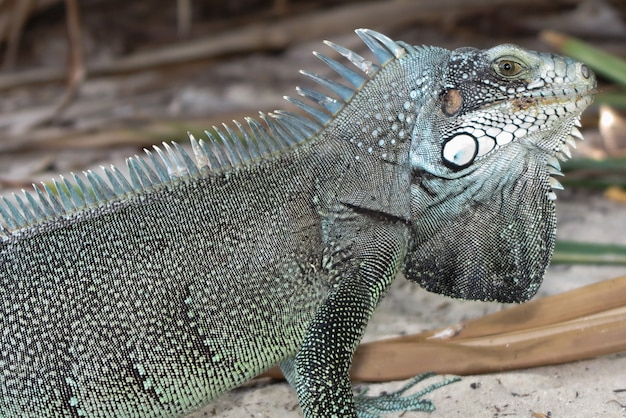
571,252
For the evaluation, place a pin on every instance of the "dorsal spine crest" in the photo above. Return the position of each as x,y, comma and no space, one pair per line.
227,147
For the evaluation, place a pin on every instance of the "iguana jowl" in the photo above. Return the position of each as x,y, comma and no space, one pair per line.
151,294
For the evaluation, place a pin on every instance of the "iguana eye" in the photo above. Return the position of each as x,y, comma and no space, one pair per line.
508,67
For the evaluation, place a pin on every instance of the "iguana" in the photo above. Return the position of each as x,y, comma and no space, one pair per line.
153,292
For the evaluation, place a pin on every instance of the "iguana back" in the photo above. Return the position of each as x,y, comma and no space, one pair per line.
150,294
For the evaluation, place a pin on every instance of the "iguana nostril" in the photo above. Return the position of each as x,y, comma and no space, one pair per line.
584,71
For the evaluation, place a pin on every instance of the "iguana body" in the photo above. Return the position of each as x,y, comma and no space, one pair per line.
151,294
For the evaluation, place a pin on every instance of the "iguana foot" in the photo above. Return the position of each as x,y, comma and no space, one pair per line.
376,406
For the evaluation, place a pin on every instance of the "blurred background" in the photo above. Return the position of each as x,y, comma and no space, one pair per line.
88,82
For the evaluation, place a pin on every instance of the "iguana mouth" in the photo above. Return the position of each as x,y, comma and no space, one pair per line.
577,100
574,98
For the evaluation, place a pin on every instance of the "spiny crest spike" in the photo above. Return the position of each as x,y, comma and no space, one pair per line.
85,191
366,66
38,210
53,198
64,193
575,132
294,125
217,149
77,199
48,205
555,184
99,192
305,125
201,157
321,117
186,161
171,172
118,181
553,171
248,149
331,104
339,89
229,144
101,185
157,165
27,216
212,156
148,171
382,46
7,211
354,78
135,174
15,215
554,162
138,175
570,141
279,130
178,166
261,135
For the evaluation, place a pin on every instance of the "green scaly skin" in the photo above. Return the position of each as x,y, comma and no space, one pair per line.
153,293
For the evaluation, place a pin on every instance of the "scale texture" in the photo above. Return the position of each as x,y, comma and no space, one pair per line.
272,241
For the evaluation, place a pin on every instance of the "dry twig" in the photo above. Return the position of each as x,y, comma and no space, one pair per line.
76,66
273,35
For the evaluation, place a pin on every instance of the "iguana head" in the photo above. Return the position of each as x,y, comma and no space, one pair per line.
483,218
476,136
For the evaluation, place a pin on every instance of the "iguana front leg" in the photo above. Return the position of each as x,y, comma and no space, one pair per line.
319,370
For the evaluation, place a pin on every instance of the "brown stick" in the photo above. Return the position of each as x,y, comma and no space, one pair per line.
272,35
75,67
562,343
19,14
